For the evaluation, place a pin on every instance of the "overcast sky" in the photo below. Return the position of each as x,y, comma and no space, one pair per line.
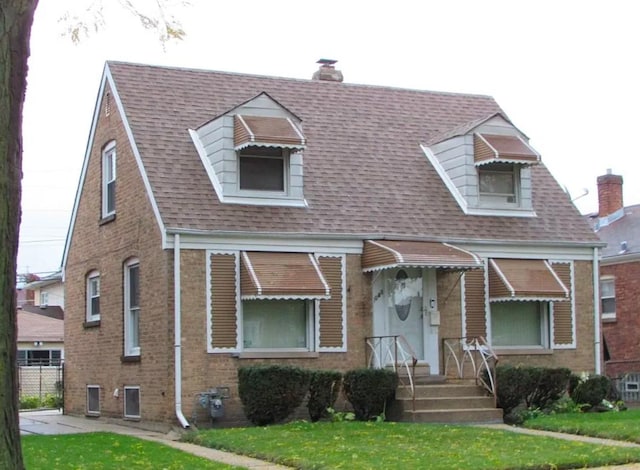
565,72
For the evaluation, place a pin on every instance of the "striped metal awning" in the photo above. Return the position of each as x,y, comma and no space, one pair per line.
273,275
266,132
503,149
524,279
386,254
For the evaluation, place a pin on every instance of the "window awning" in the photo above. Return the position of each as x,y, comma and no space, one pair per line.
490,148
524,279
267,132
385,254
271,275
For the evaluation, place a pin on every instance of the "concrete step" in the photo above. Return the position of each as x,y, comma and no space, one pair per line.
441,390
464,415
446,403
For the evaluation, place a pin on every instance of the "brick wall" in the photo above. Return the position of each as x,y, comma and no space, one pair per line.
621,335
609,194
93,354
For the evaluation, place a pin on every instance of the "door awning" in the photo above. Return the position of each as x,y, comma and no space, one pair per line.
266,132
272,275
524,279
385,254
489,148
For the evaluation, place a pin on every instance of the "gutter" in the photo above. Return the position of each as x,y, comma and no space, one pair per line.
596,311
177,314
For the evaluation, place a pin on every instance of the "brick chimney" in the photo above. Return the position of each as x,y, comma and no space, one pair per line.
609,194
327,71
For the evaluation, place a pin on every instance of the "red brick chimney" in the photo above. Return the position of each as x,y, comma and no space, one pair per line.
327,71
609,194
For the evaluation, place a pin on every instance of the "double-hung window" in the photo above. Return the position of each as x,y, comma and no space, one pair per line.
608,298
499,184
278,324
93,296
263,169
520,324
132,308
109,180
44,298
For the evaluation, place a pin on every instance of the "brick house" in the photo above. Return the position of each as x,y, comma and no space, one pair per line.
619,227
225,219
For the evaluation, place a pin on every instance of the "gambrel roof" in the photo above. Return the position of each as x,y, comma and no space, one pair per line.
365,173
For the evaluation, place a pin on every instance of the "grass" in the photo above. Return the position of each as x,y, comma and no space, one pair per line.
357,445
622,425
98,451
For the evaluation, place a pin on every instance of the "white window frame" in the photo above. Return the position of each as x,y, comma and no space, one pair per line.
108,178
544,310
93,276
89,410
254,152
127,389
44,298
131,312
500,199
312,306
608,315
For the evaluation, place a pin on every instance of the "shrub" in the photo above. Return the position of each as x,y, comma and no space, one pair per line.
269,394
514,386
29,402
369,390
551,385
52,400
592,391
324,386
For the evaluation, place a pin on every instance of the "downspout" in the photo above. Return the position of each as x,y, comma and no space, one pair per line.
177,314
596,309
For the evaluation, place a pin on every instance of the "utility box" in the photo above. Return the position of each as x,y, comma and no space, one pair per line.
213,400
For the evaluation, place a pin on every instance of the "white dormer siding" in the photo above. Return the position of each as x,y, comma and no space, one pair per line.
454,159
215,144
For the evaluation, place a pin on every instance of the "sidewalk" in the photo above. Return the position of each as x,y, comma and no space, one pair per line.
51,422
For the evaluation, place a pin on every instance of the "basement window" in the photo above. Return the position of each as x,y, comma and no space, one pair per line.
132,402
93,400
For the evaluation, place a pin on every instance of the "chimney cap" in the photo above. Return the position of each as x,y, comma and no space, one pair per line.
328,62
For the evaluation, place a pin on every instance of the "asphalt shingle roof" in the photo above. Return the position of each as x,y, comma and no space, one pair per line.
364,170
626,229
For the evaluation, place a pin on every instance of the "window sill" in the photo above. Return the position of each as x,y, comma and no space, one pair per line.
130,359
107,219
90,414
91,324
277,355
522,351
609,319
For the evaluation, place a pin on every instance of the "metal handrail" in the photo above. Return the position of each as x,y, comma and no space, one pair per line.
394,349
461,351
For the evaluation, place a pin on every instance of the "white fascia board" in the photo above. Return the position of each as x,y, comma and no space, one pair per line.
557,252
619,259
107,79
202,153
278,243
83,172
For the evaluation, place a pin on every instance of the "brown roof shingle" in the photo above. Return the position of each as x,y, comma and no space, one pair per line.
365,172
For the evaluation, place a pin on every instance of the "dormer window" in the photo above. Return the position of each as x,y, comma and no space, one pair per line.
263,169
499,183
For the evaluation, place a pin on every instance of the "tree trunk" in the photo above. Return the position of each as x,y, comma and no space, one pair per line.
16,18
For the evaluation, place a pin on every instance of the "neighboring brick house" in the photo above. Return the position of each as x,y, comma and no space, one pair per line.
225,219
619,227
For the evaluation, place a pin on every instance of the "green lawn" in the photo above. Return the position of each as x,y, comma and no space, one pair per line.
106,451
622,425
357,445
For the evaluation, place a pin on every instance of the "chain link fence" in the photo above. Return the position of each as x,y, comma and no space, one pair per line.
41,386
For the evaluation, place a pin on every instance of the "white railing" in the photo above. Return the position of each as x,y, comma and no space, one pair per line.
395,352
477,353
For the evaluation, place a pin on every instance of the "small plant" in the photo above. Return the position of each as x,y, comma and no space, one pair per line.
340,416
30,402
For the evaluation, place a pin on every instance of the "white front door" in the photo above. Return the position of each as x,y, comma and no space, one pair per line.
404,304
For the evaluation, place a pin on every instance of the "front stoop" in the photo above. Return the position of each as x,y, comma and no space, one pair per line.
444,402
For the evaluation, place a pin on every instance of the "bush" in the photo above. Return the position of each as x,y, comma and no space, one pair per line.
269,394
29,402
369,390
592,391
551,385
52,401
324,386
514,386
